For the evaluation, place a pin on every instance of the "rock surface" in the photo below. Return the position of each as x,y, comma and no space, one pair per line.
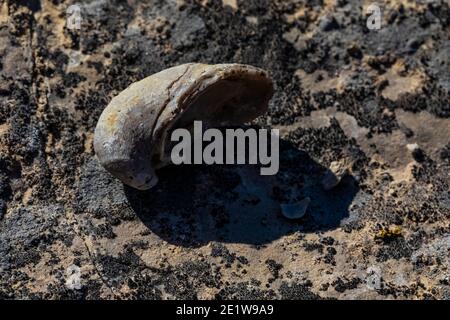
70,230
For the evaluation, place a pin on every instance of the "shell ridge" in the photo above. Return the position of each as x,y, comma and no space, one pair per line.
167,101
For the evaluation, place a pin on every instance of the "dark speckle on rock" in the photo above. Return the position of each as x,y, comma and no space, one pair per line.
297,292
341,285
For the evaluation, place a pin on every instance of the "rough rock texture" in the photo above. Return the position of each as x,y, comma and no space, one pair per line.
344,94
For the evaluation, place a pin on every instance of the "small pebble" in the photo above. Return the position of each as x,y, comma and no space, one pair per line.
295,210
412,146
334,175
73,281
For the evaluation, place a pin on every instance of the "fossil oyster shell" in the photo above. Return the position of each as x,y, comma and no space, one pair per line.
132,133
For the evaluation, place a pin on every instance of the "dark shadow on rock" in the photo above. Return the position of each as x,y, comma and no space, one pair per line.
195,204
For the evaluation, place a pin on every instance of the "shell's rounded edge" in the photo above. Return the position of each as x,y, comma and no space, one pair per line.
123,135
218,95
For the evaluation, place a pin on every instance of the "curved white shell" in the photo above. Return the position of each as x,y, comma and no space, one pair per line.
130,136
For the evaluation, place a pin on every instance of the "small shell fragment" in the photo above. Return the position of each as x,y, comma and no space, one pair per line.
295,210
